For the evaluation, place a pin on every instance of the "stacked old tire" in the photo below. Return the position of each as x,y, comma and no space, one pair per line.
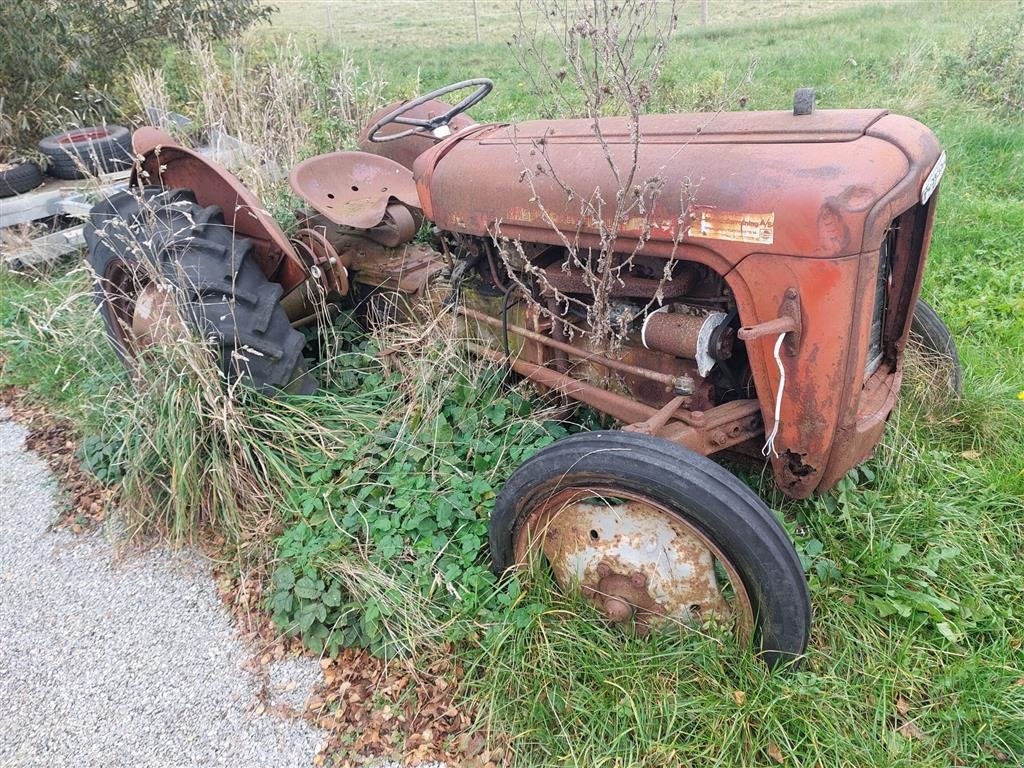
18,177
75,154
90,151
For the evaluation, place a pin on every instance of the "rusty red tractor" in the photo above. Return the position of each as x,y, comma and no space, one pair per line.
768,316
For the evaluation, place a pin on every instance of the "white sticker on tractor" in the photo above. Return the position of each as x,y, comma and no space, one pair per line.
933,178
731,225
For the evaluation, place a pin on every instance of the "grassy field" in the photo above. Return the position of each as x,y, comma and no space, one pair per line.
916,561
436,24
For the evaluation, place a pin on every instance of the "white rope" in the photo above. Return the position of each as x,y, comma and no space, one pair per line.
643,328
769,445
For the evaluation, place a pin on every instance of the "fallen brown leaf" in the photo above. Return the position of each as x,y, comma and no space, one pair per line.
910,730
56,443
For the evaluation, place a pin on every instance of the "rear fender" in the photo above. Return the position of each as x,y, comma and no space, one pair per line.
161,161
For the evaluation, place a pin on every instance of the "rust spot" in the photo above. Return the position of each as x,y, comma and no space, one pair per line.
858,198
795,464
833,233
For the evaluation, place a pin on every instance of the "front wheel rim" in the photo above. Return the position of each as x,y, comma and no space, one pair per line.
634,559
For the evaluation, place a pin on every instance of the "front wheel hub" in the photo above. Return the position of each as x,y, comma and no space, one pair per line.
624,597
633,559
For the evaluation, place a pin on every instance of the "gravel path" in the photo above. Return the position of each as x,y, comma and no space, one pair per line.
107,662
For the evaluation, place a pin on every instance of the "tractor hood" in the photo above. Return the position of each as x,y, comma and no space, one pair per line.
818,185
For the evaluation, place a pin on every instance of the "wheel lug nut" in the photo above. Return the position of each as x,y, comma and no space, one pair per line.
617,610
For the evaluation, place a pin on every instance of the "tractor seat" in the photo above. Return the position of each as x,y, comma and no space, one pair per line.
353,189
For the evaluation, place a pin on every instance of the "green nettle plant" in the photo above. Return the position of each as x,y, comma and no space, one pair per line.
69,62
385,543
102,457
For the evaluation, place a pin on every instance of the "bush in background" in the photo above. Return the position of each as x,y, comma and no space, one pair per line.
66,63
990,69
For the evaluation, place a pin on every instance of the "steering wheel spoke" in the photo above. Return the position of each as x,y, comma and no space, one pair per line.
414,121
481,85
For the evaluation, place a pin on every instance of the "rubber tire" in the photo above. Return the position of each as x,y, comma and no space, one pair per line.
703,493
934,336
227,298
21,178
112,152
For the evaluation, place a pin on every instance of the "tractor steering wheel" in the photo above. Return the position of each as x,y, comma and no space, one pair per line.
437,126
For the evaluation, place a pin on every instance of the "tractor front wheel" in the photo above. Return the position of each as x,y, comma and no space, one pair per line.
935,340
655,535
161,259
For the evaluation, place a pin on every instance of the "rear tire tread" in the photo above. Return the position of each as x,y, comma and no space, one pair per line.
194,250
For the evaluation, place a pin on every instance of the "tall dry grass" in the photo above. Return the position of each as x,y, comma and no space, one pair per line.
278,102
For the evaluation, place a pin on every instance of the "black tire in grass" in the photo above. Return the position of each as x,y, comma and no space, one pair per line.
223,293
688,486
82,152
19,177
934,337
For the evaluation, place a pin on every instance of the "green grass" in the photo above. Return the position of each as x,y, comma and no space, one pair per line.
427,24
914,561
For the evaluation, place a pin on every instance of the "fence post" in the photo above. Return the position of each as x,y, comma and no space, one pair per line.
703,12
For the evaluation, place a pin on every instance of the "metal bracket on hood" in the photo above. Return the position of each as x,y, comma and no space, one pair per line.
788,322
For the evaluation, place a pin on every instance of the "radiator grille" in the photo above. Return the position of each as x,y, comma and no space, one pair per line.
885,253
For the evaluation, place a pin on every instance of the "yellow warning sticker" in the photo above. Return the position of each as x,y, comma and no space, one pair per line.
738,227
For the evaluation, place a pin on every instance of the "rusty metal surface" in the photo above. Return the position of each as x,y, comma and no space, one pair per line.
716,429
856,438
399,226
788,322
705,432
155,317
322,260
405,151
625,409
815,194
833,327
794,212
353,189
166,163
406,269
634,559
772,127
626,285
651,377
658,421
673,333
685,372
575,351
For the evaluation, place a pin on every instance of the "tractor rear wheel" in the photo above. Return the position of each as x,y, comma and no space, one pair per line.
931,333
655,535
159,256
